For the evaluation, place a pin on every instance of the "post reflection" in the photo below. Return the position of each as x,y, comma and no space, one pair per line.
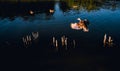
29,39
63,43
35,35
63,40
81,25
74,43
66,43
56,44
54,41
107,41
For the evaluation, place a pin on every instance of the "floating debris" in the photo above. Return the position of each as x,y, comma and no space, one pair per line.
31,12
51,11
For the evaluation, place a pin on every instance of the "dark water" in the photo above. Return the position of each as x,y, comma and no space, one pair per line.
87,54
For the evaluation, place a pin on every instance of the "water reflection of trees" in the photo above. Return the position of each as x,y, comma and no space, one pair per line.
24,0
13,9
22,7
90,5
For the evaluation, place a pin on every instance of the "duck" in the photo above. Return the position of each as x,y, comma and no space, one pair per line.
81,25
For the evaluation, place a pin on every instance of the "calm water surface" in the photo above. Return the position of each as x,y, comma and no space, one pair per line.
87,54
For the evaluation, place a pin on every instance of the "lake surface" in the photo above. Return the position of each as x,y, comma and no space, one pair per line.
34,25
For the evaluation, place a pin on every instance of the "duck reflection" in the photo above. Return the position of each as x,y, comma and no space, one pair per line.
108,42
81,25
